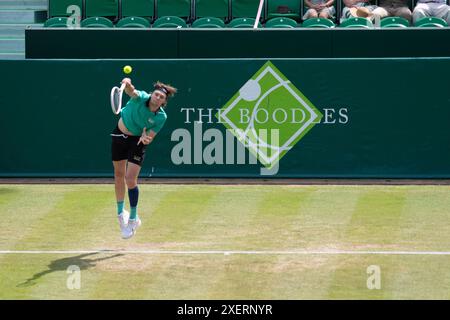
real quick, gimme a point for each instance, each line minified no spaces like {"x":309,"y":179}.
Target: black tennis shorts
{"x":124,"y":147}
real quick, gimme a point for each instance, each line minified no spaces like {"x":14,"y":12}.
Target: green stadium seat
{"x":211,"y":8}
{"x":394,"y":22}
{"x":430,"y":22}
{"x":284,"y":8}
{"x":102,"y":8}
{"x":58,"y":8}
{"x":169,"y":22}
{"x":56,"y":22}
{"x":245,"y":9}
{"x":96,"y":22}
{"x":177,"y":8}
{"x":318,"y":23}
{"x":138,"y":8}
{"x":281,"y":23}
{"x":133,"y":22}
{"x":357,"y":23}
{"x":243,"y":23}
{"x":209,"y":22}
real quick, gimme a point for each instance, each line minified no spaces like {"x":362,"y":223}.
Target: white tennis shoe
{"x":130,"y":229}
{"x":123,"y":221}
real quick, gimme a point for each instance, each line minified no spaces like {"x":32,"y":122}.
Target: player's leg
{"x":120,"y":168}
{"x":133,"y":189}
{"x":135,"y":159}
{"x":134,"y":221}
{"x":119,"y":155}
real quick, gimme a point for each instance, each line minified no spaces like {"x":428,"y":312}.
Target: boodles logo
{"x":269,"y":115}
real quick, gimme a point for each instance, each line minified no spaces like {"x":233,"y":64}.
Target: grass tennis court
{"x":227,"y":242}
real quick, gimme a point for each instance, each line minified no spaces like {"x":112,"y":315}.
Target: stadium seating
{"x":133,"y":22}
{"x":174,"y":8}
{"x":318,"y":23}
{"x":283,"y":8}
{"x":138,"y":8}
{"x":357,"y":23}
{"x":56,"y":22}
{"x":212,"y":8}
{"x":208,"y":22}
{"x":169,"y":22}
{"x":102,"y":8}
{"x":338,"y":6}
{"x":58,"y":8}
{"x":243,"y":23}
{"x":394,"y":22}
{"x":281,"y":23}
{"x":96,"y":22}
{"x":431,"y":22}
{"x":245,"y":9}
{"x":207,"y":13}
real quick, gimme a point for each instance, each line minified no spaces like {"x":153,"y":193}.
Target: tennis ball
{"x":127,"y":69}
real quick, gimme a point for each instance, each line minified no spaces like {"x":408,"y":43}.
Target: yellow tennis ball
{"x":127,"y":69}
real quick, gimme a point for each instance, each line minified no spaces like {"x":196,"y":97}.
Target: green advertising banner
{"x":323,"y":118}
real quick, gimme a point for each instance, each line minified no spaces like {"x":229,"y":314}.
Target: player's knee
{"x":119,"y":174}
{"x":131,"y":182}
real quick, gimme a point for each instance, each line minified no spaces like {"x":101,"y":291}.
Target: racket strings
{"x":116,"y":100}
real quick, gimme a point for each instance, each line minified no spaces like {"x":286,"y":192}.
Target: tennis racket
{"x":116,"y":98}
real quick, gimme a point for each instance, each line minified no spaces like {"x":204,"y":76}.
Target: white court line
{"x":226,"y":252}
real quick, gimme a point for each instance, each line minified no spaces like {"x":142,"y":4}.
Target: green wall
{"x":236,"y":43}
{"x":391,"y":116}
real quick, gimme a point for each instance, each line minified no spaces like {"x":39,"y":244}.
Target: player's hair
{"x":166,"y":88}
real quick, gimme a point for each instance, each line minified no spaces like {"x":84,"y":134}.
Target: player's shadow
{"x":81,"y":261}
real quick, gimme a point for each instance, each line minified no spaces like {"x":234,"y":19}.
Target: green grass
{"x":210,"y":217}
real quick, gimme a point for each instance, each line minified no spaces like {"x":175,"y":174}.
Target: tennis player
{"x":141,"y":119}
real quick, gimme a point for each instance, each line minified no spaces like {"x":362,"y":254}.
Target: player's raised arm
{"x":129,"y":88}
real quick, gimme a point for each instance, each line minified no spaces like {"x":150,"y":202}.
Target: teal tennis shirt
{"x":136,"y":115}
